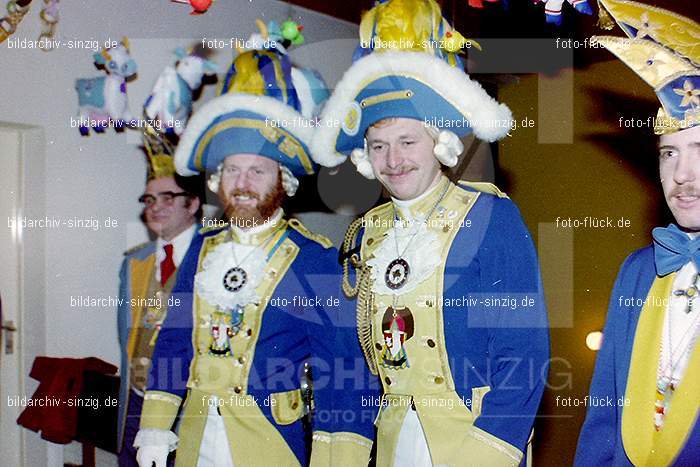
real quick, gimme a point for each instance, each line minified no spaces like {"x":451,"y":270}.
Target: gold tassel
{"x":604,"y":19}
{"x":363,"y":291}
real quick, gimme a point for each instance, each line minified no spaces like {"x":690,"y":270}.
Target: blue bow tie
{"x":673,"y":249}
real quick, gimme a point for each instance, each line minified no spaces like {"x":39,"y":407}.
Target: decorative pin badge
{"x":397,"y":327}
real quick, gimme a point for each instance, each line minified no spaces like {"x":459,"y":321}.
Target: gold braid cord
{"x":362,"y":290}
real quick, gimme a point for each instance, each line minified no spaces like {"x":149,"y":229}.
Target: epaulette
{"x":136,"y":248}
{"x":484,"y":187}
{"x":320,"y":239}
{"x":212,"y":228}
{"x":378,"y":209}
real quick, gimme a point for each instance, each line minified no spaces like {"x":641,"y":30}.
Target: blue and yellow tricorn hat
{"x":401,"y":78}
{"x":663,"y":48}
{"x":265,"y":108}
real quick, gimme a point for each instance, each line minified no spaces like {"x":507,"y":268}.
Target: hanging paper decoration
{"x":552,"y":9}
{"x":49,"y":20}
{"x":198,"y":6}
{"x":16,"y":9}
{"x":102,"y":100}
{"x":170,"y":101}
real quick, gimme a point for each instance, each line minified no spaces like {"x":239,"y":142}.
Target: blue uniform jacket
{"x":291,"y":333}
{"x":492,"y":262}
{"x":600,"y":442}
{"x":137,"y":255}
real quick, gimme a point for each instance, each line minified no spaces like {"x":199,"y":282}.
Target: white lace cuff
{"x":156,"y":437}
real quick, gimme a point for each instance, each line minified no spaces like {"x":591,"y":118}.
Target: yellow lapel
{"x":141,"y":273}
{"x":642,"y":443}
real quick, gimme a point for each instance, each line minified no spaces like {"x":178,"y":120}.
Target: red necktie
{"x":167,"y":266}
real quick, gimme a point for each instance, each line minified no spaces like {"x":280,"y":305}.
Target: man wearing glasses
{"x":170,"y":211}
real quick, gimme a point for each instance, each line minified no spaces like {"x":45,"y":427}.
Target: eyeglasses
{"x":165,"y":197}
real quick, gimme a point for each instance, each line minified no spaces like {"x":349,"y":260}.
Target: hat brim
{"x":410,"y":85}
{"x":242,"y":123}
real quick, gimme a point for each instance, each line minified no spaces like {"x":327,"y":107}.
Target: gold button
{"x":295,"y":405}
{"x":387,"y":380}
{"x":466,"y":200}
{"x":378,"y":346}
{"x":446,"y":228}
{"x":439,"y":380}
{"x":238,"y":389}
{"x":375,"y":218}
{"x":431,"y":343}
{"x":249,"y":332}
{"x":370,"y":241}
{"x":428,"y":303}
{"x":195,"y":381}
{"x":241,"y":360}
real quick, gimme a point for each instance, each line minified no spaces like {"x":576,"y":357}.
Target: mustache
{"x":250,"y":194}
{"x":399,"y":170}
{"x":680,"y":191}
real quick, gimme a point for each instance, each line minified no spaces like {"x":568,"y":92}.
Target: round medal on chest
{"x":235,"y":278}
{"x":397,"y":273}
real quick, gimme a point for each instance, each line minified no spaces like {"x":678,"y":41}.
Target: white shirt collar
{"x":404,"y":205}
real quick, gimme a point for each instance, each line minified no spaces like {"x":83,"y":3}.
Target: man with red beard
{"x":256,"y":300}
{"x":644,"y":397}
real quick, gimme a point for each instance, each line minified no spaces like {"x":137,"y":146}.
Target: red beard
{"x":253,"y":215}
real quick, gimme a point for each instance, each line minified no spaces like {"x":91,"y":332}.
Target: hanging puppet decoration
{"x":170,"y":101}
{"x":479,"y":3}
{"x":552,"y":9}
{"x":102,"y":100}
{"x":49,"y":20}
{"x":16,"y":9}
{"x":198,"y":6}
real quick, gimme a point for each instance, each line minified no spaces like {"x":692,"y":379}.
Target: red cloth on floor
{"x":53,"y":409}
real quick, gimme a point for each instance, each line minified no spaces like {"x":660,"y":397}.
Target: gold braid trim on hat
{"x":362,"y":290}
{"x":604,"y":19}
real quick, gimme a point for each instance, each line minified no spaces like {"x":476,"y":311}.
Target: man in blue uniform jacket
{"x":451,"y":314}
{"x":171,"y":209}
{"x":255,"y":299}
{"x":649,"y":363}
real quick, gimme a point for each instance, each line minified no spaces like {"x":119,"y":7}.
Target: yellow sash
{"x":141,"y":273}
{"x":643,"y":444}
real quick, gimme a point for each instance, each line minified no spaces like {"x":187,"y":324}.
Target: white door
{"x":23,"y":334}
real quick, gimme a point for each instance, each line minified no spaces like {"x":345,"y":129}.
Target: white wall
{"x":101,"y":176}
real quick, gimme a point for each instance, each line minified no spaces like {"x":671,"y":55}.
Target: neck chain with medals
{"x":237,"y":277}
{"x":398,"y":271}
{"x":666,"y":382}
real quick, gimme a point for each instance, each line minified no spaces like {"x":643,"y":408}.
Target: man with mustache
{"x":435,"y":265}
{"x":644,"y":393}
{"x":257,"y":299}
{"x":171,"y":210}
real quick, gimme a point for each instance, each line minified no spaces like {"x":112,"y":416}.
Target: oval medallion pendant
{"x":397,"y":273}
{"x":234,"y":279}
